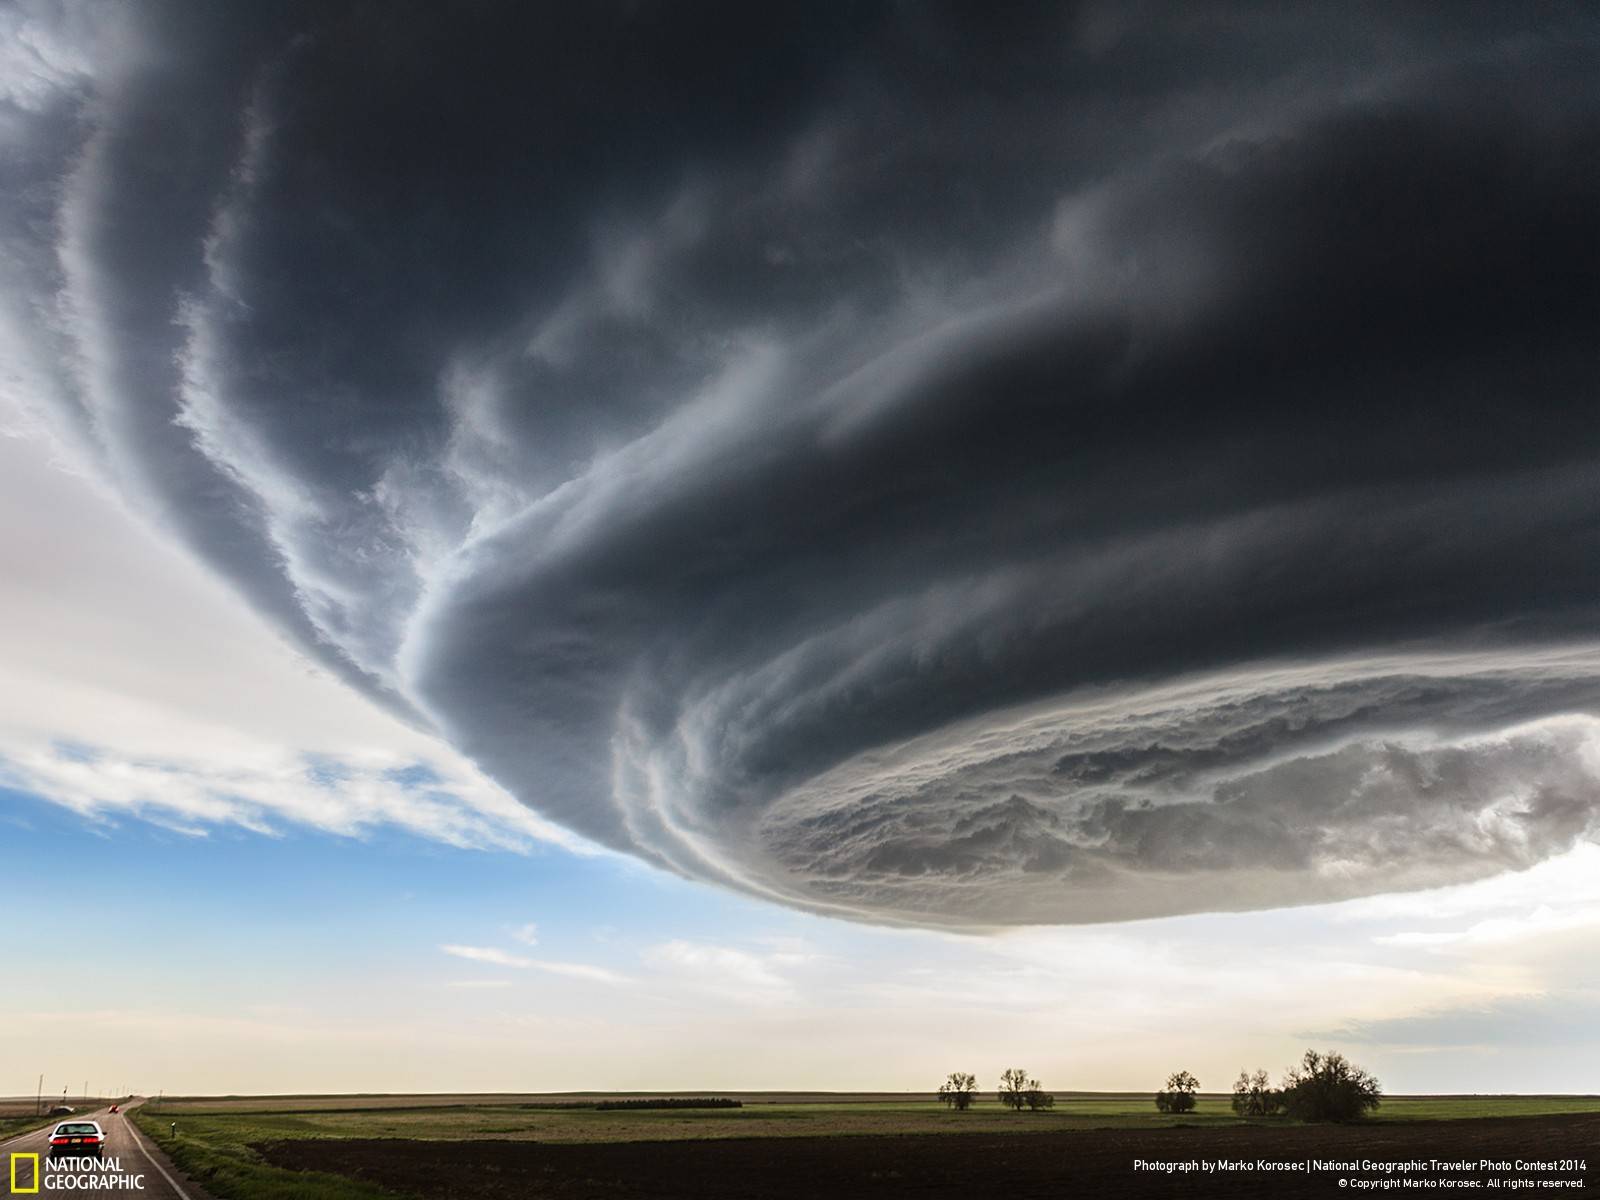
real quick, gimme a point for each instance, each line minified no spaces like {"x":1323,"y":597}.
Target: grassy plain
{"x":790,"y":1114}
{"x":374,"y":1101}
{"x":216,"y":1136}
{"x":223,"y":1162}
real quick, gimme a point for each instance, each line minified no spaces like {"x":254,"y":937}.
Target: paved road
{"x":124,"y":1144}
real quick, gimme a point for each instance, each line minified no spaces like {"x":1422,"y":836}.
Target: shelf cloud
{"x":1058,"y":466}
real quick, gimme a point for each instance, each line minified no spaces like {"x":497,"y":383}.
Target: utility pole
{"x":38,"y":1100}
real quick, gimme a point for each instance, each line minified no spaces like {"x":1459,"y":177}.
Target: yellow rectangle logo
{"x":24,"y":1191}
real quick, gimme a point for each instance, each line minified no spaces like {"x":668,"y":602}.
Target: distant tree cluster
{"x":1037,"y":1098}
{"x":1013,"y":1084}
{"x":1254,"y":1095}
{"x":668,"y":1102}
{"x":1017,"y":1091}
{"x":1328,"y":1087}
{"x":1324,"y":1087}
{"x":959,"y":1090}
{"x":1178,"y":1095}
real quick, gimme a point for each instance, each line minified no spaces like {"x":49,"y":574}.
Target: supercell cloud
{"x":918,"y":465}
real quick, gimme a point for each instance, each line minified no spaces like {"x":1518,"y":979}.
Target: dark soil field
{"x":1037,"y":1166}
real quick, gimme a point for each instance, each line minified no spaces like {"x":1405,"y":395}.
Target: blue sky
{"x":332,"y":902}
{"x":330,"y":950}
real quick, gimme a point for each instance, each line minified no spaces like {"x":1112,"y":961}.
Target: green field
{"x":214,"y":1136}
{"x":542,"y":1117}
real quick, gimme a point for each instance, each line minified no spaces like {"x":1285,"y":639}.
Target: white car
{"x":77,"y":1138}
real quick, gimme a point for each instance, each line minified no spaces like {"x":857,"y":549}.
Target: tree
{"x":1036,"y":1097}
{"x":1254,"y":1095}
{"x":957,"y":1091}
{"x":1014,"y":1088}
{"x":1329,"y":1087}
{"x":1179,"y":1094}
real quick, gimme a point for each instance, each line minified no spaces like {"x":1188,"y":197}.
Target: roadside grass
{"x":825,"y":1118}
{"x":18,"y":1117}
{"x":11,"y":1126}
{"x":221,"y":1161}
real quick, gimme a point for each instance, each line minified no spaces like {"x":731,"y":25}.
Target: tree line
{"x":1321,"y":1087}
{"x":1017,"y":1091}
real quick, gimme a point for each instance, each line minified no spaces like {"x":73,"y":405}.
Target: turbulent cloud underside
{"x":1050,"y":467}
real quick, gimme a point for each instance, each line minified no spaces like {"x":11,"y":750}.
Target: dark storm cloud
{"x":1059,"y":466}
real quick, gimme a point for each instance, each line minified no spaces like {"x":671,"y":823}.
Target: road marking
{"x":138,"y":1140}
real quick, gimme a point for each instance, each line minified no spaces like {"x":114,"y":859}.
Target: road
{"x":130,"y":1149}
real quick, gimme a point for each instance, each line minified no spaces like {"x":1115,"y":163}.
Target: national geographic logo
{"x":69,"y":1174}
